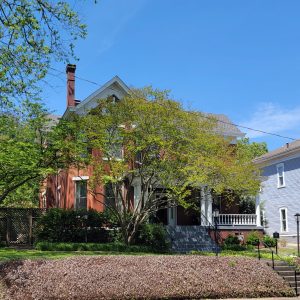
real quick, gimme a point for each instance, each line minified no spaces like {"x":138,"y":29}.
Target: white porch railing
{"x":236,"y":219}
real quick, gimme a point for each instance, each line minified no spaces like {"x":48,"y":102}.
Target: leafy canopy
{"x":32,"y":34}
{"x":31,"y":148}
{"x":149,"y":140}
{"x":253,"y":149}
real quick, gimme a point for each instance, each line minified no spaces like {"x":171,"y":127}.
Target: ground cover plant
{"x":141,"y":277}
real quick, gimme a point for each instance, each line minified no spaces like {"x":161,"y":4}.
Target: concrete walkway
{"x":278,"y":298}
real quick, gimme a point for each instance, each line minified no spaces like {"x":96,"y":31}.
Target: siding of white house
{"x":274,"y":198}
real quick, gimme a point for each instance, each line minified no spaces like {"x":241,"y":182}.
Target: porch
{"x":214,"y":210}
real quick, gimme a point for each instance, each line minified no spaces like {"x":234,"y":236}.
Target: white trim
{"x":78,"y":178}
{"x":96,"y":94}
{"x":279,"y":185}
{"x":280,"y":157}
{"x":286,"y":219}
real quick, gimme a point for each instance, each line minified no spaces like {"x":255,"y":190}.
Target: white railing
{"x":236,"y":219}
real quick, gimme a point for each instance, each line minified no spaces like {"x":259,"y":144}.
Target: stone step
{"x":278,"y":263}
{"x":188,"y":238}
{"x":286,"y":273}
{"x":290,"y":278}
{"x":292,"y":284}
{"x":284,"y":268}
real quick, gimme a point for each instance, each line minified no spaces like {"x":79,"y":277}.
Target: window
{"x":114,"y":144}
{"x":280,"y":176}
{"x":58,"y":196}
{"x":44,"y":200}
{"x":283,"y":220}
{"x":81,"y":194}
{"x":109,"y":195}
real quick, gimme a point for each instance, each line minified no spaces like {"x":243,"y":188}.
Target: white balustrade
{"x":236,"y":219}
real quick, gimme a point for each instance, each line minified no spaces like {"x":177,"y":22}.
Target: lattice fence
{"x":18,"y":225}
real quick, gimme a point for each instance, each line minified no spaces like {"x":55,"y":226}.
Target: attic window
{"x":114,"y":98}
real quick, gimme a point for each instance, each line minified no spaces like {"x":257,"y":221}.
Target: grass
{"x":12,"y":254}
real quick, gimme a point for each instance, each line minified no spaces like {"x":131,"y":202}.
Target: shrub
{"x":269,"y":241}
{"x":234,"y":247}
{"x":154,"y":236}
{"x":231,"y":240}
{"x":253,"y":238}
{"x":111,"y":247}
{"x":59,"y":225}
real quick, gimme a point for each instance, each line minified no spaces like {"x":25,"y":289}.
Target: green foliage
{"x":165,"y":146}
{"x":269,"y":241}
{"x":33,"y":34}
{"x":231,"y":240}
{"x":253,"y":149}
{"x":253,"y":238}
{"x":59,"y":225}
{"x":153,"y":236}
{"x":107,"y":247}
{"x":247,"y":205}
{"x":25,"y":196}
{"x":234,"y":247}
{"x":31,"y":148}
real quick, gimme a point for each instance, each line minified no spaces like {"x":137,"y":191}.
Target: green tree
{"x":254,"y":149}
{"x":148,"y":139}
{"x":33,"y":147}
{"x":33,"y":33}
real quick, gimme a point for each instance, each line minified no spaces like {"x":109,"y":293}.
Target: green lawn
{"x":9,"y":254}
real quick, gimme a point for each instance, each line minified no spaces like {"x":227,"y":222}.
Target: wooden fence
{"x":18,"y":225}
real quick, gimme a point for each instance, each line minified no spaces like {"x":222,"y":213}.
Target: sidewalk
{"x":279,"y":298}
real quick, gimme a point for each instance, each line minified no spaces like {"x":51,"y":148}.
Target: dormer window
{"x":280,"y":175}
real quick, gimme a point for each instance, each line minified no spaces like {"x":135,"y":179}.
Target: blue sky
{"x":240,"y":58}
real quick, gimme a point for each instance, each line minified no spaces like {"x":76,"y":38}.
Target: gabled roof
{"x":115,"y":80}
{"x":285,"y":151}
{"x":226,"y":127}
{"x":116,"y":84}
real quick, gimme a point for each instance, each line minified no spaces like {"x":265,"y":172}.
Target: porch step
{"x":185,"y":239}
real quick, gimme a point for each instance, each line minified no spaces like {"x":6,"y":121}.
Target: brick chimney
{"x":70,"y":70}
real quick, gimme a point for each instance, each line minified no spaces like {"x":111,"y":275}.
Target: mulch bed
{"x":141,"y":277}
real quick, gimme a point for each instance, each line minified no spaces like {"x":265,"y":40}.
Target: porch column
{"x":202,"y":206}
{"x":209,"y":206}
{"x":257,"y":211}
{"x":172,"y":218}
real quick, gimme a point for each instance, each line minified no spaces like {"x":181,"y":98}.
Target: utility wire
{"x":207,"y":117}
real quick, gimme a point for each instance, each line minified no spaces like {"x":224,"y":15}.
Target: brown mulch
{"x":141,"y":277}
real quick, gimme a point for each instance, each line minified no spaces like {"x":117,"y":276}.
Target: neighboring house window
{"x":81,"y":194}
{"x":280,"y":175}
{"x":283,"y":220}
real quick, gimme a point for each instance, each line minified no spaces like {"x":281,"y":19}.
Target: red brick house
{"x":68,"y":188}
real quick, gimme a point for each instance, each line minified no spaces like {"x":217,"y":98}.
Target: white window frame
{"x":76,"y":179}
{"x":58,"y":196}
{"x":44,"y":199}
{"x":279,"y":185}
{"x":286,"y":219}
